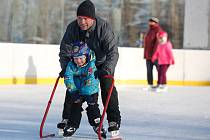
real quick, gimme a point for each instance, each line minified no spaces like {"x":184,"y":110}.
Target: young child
{"x":165,"y":58}
{"x":82,"y":86}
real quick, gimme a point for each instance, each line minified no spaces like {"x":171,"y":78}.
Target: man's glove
{"x":61,"y":74}
{"x":100,"y":73}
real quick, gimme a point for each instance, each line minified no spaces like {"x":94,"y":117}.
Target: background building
{"x":45,"y":21}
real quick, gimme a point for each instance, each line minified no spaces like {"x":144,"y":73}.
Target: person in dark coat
{"x":101,"y":39}
{"x":150,"y":45}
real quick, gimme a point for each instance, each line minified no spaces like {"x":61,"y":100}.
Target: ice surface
{"x":182,"y":113}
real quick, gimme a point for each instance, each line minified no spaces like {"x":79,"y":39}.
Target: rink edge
{"x":6,"y":81}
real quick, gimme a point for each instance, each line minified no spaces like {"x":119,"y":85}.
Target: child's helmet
{"x":79,"y":49}
{"x":162,"y":34}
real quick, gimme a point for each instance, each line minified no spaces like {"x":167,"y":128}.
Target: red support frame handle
{"x":106,"y":105}
{"x":46,"y":112}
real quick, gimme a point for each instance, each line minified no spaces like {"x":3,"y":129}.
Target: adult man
{"x":100,"y":38}
{"x":150,"y":45}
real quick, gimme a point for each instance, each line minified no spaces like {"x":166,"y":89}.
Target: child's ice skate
{"x":161,"y":88}
{"x":61,"y":125}
{"x":103,"y":131}
{"x":69,"y":131}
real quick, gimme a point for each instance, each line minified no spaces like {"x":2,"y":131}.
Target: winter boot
{"x":69,"y":131}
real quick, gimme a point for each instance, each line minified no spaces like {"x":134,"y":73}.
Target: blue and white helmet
{"x":80,"y":49}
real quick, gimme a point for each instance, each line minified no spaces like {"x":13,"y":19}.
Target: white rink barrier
{"x":39,"y":64}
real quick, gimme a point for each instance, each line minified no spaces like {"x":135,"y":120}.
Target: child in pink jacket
{"x":165,"y":58}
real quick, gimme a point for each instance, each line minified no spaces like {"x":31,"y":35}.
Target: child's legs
{"x":93,"y":111}
{"x":162,"y":74}
{"x":67,"y":105}
{"x":75,"y":114}
{"x":159,"y":74}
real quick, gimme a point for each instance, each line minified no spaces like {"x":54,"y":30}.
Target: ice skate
{"x":149,"y":88}
{"x":103,"y":131}
{"x":115,"y":135}
{"x":61,"y":126}
{"x":69,"y":131}
{"x":161,"y":88}
{"x":114,"y":131}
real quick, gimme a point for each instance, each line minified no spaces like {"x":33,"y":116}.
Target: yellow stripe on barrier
{"x":7,"y":81}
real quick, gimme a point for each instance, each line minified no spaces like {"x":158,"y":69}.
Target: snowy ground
{"x":183,"y":113}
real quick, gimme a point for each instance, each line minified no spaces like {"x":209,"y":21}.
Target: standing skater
{"x":165,"y":58}
{"x":99,"y":36}
{"x":150,"y":45}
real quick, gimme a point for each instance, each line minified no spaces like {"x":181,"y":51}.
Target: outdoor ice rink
{"x":182,"y":113}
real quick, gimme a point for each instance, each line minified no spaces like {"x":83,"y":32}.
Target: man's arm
{"x":109,"y":45}
{"x":65,"y":50}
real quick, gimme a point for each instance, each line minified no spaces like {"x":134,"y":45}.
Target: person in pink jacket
{"x":165,"y":58}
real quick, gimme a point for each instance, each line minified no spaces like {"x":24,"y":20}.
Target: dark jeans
{"x":150,"y":65}
{"x":113,"y":112}
{"x":162,"y":69}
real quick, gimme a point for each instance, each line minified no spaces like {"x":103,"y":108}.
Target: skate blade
{"x":60,"y":132}
{"x":116,"y":138}
{"x":115,"y":135}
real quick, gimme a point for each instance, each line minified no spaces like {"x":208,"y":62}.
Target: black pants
{"x":74,"y":114}
{"x":113,"y":112}
{"x":150,"y":65}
